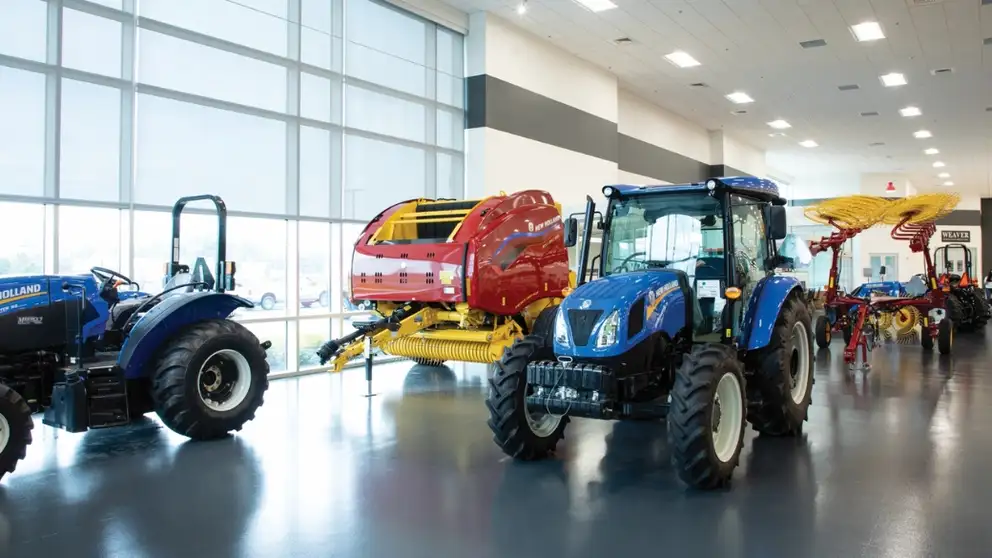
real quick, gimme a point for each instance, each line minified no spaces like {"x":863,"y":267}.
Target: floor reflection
{"x":892,"y":463}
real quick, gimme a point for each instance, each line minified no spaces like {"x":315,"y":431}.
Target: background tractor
{"x":455,"y":280}
{"x":966,"y":302}
{"x":688,"y":321}
{"x":92,"y":351}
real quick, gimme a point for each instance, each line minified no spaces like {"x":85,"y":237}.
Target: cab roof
{"x":758,"y":188}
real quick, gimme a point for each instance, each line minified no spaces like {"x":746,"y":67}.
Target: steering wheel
{"x":107,"y":275}
{"x":622,"y":268}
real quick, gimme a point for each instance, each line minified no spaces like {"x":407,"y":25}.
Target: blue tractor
{"x":93,"y":351}
{"x":687,"y":321}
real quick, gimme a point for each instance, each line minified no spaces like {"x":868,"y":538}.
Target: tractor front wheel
{"x":706,"y":418}
{"x":945,"y":336}
{"x":15,"y":429}
{"x":521,"y":433}
{"x":823,"y":332}
{"x":781,"y":386}
{"x":210,"y":379}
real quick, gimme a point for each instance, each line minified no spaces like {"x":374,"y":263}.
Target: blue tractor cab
{"x":687,"y":321}
{"x":94,"y":351}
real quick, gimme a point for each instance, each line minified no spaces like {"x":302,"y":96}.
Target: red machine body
{"x":498,"y":254}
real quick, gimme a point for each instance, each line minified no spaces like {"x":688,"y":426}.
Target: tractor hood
{"x":635,"y":305}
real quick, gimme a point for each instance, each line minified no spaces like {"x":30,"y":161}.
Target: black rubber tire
{"x":506,"y":400}
{"x":956,"y":312}
{"x":926,"y":340}
{"x":428,"y":361}
{"x":544,"y":327}
{"x":15,"y":410}
{"x":945,"y":336}
{"x":175,"y":389}
{"x":824,"y":331}
{"x":690,"y":434}
{"x":846,"y":330}
{"x":770,"y":407}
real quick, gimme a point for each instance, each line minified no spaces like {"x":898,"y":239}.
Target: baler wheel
{"x":823,"y":332}
{"x":15,"y":429}
{"x":210,"y":379}
{"x":945,"y":336}
{"x":520,"y":433}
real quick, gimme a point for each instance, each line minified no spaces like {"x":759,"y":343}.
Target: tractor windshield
{"x":681,"y":231}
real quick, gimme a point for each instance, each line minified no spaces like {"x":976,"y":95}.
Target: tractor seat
{"x":122,"y":312}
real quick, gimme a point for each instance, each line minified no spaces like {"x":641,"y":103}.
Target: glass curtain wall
{"x":307,"y":116}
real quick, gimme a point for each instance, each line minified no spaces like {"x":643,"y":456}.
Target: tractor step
{"x":106,"y":392}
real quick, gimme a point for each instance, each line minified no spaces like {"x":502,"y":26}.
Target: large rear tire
{"x":945,"y":336}
{"x":15,"y":429}
{"x":824,"y":331}
{"x":210,"y":379}
{"x":780,"y":389}
{"x":706,"y":418}
{"x":520,"y":433}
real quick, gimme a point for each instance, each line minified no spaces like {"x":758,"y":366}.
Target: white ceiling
{"x":752,"y":46}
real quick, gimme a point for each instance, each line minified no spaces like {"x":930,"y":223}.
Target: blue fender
{"x":763,"y":310}
{"x":165,"y":319}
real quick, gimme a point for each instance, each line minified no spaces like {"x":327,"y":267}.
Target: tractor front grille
{"x":581,"y":323}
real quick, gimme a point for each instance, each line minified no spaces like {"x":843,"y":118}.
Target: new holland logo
{"x":19,"y":292}
{"x":656,"y":296}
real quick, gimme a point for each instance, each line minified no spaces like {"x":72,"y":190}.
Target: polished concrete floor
{"x":894,"y":462}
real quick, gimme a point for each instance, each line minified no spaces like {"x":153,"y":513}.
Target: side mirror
{"x":777,"y":228}
{"x":571,"y":232}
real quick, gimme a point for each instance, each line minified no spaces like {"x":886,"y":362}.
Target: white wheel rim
{"x":541,"y":424}
{"x":224,"y":380}
{"x":727,"y":417}
{"x":799,"y":362}
{"x":4,"y":433}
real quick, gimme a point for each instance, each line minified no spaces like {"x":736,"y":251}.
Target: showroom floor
{"x":893,"y":464}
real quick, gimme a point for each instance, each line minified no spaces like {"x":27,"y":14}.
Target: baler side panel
{"x":520,"y":256}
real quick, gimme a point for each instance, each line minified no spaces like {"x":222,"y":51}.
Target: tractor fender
{"x":763,"y":309}
{"x":168,"y":317}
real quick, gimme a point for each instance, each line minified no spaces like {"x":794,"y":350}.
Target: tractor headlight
{"x":561,"y":328}
{"x":608,"y":332}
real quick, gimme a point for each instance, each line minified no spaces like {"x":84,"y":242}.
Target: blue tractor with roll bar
{"x":93,"y":351}
{"x":687,"y":321}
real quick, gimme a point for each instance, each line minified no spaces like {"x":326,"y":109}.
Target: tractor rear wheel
{"x":706,"y":418}
{"x":823,"y":332}
{"x":945,"y":336}
{"x":780,"y":388}
{"x":957,"y":312}
{"x":521,"y":433}
{"x":210,"y":379}
{"x":15,"y":429}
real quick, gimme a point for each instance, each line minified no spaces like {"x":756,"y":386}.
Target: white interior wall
{"x":652,"y":124}
{"x":744,"y":157}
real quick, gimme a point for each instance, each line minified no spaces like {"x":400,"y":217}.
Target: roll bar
{"x":225,"y":269}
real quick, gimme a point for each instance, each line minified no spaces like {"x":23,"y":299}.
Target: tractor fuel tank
{"x":497,"y":254}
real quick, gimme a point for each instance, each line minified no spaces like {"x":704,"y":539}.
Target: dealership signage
{"x":955,"y":236}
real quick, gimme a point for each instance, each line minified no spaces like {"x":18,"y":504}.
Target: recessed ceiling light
{"x":922,"y":134}
{"x":597,"y":5}
{"x":739,"y":97}
{"x":522,"y":8}
{"x":931,"y":151}
{"x":948,"y":183}
{"x":893,"y":80}
{"x":679,"y":58}
{"x":867,"y":31}
{"x":944,"y":175}
{"x":938,"y":164}
{"x":779,"y":124}
{"x":808,"y":143}
{"x":910,"y":111}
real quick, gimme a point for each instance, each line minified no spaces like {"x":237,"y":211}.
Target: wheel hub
{"x":799,"y":363}
{"x":224,"y":380}
{"x":727,"y":417}
{"x":4,"y":433}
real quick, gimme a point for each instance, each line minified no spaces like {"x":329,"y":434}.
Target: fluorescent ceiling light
{"x":893,"y":79}
{"x":931,"y":151}
{"x":922,"y":134}
{"x":679,"y":58}
{"x":808,"y":143}
{"x":739,"y":97}
{"x":944,"y":175}
{"x":910,"y":111}
{"x":779,"y":124}
{"x":522,"y":8}
{"x":948,"y":183}
{"x":597,"y":5}
{"x":938,"y":164}
{"x":867,"y":31}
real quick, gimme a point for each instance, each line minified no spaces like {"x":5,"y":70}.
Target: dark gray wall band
{"x":727,"y":170}
{"x":500,"y":105}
